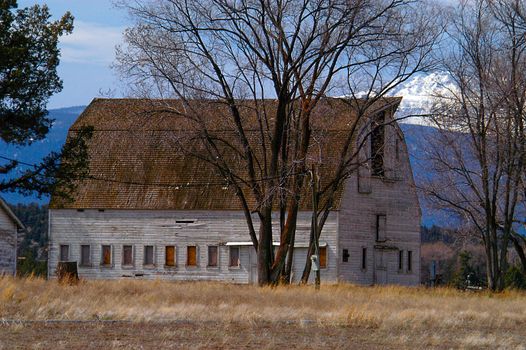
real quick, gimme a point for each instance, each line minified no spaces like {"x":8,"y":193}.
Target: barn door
{"x":253,"y":266}
{"x":380,"y":266}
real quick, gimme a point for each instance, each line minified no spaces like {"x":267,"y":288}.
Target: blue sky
{"x":87,"y":53}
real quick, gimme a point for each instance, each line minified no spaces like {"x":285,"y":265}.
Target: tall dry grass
{"x":38,"y":299}
{"x":478,"y":318}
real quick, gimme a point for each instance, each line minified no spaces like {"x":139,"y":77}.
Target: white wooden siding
{"x":7,"y":244}
{"x":395,"y":196}
{"x":159,"y":228}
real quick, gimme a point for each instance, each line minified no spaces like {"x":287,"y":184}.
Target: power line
{"x":180,"y":185}
{"x":18,"y":161}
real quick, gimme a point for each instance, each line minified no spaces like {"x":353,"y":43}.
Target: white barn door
{"x":380,"y":266}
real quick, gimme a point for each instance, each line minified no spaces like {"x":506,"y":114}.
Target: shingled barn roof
{"x":136,"y":162}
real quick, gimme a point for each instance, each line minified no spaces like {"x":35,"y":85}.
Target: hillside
{"x":63,"y":119}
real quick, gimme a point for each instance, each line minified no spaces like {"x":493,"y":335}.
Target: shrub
{"x":29,"y":265}
{"x":467,"y":274}
{"x":514,"y":278}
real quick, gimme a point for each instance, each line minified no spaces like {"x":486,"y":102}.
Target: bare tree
{"x":237,"y":55}
{"x":511,"y":15}
{"x":479,"y":154}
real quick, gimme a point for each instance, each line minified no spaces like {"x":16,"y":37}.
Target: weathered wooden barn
{"x":10,"y":226}
{"x":128,"y":219}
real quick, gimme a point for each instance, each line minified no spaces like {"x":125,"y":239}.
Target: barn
{"x":140,"y":214}
{"x":10,"y":226}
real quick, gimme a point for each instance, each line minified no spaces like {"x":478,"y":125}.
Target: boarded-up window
{"x":409,"y":260}
{"x":378,"y":145}
{"x":85,"y":255}
{"x":148,"y":255}
{"x":64,"y":252}
{"x":191,"y":255}
{"x":400,"y":260}
{"x":364,"y":258}
{"x":323,"y":257}
{"x":212,"y":255}
{"x":127,"y":255}
{"x":380,"y":228}
{"x":345,"y":255}
{"x":234,"y":256}
{"x":106,"y":255}
{"x":170,"y":256}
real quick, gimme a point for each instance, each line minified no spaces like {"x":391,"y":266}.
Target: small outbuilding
{"x":10,"y":226}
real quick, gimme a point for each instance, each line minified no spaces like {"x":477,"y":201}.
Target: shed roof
{"x":136,"y":161}
{"x":12,"y":215}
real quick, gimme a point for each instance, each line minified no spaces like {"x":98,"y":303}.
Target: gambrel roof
{"x":136,"y":160}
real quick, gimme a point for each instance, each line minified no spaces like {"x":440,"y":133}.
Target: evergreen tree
{"x":29,"y":57}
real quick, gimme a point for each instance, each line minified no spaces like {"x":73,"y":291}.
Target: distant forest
{"x":32,"y":250}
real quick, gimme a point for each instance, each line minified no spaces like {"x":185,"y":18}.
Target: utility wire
{"x":18,"y":161}
{"x":169,"y":185}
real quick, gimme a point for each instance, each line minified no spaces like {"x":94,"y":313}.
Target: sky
{"x":87,"y":53}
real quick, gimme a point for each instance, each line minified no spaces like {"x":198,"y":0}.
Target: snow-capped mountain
{"x":419,"y":94}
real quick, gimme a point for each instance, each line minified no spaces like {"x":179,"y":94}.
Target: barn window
{"x":106,"y":255}
{"x":191,"y":255}
{"x":409,"y":261}
{"x":323,"y":257}
{"x":64,"y":252}
{"x":377,"y":145}
{"x":400,"y":260}
{"x":212,"y":256}
{"x":234,"y":256}
{"x":169,"y":256}
{"x":149,"y":256}
{"x":380,"y":228}
{"x":364,"y":258}
{"x":127,"y":255}
{"x":85,"y":255}
{"x":345,"y":255}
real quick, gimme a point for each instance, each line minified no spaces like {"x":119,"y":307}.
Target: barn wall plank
{"x":7,"y":244}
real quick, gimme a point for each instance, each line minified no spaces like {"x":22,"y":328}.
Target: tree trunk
{"x":520,"y":252}
{"x":308,"y":263}
{"x":287,"y":274}
{"x":264,"y":252}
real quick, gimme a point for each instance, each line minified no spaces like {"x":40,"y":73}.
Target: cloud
{"x":91,"y":43}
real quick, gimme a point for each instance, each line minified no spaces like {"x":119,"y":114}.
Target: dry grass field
{"x":125,"y":314}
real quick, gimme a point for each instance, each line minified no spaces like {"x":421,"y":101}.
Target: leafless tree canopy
{"x":479,"y":156}
{"x":240,"y":53}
